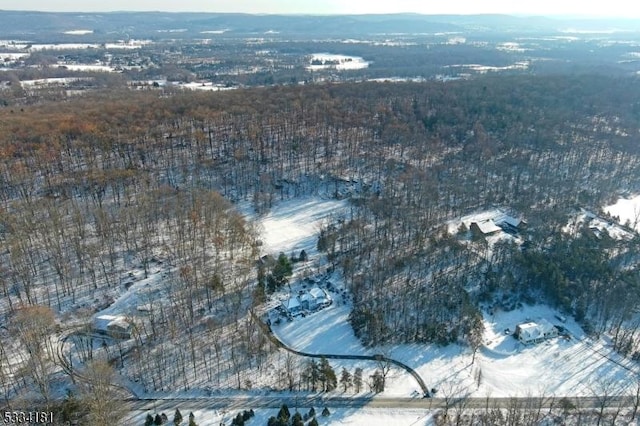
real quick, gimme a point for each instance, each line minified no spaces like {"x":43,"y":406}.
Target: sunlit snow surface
{"x":627,"y":210}
{"x":295,"y":224}
{"x":337,"y":62}
{"x":577,"y":366}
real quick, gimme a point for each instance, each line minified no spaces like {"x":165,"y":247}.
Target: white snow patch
{"x":87,"y":67}
{"x":206,"y":86}
{"x":54,"y":81}
{"x":12,"y":57}
{"x":482,"y":69}
{"x":511,"y":47}
{"x":78,"y":32}
{"x":295,"y":224}
{"x":324,"y":61}
{"x":63,"y":46}
{"x":130,"y":44}
{"x":325,"y":332}
{"x":626,"y":210}
{"x":214,"y":31}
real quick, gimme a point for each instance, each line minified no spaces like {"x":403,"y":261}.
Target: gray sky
{"x":620,"y":8}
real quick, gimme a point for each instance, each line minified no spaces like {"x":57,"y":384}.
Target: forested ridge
{"x":93,"y":186}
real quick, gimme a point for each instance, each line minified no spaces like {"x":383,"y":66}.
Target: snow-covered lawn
{"x":325,"y":332}
{"x":503,"y":367}
{"x":295,"y":224}
{"x":559,"y":366}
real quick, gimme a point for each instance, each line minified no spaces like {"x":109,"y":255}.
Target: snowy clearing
{"x":627,"y":210}
{"x":295,"y":224}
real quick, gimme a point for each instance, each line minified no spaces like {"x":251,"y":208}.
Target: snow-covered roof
{"x":487,"y":227}
{"x":317,"y":293}
{"x":534,"y":330}
{"x":104,"y":322}
{"x":307,"y":297}
{"x":291,"y":303}
{"x":508,"y":220}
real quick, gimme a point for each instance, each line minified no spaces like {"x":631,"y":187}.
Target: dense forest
{"x":94,"y":186}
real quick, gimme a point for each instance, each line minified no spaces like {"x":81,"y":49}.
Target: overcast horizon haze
{"x":590,"y":9}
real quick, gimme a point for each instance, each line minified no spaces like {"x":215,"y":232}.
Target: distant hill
{"x":41,"y":26}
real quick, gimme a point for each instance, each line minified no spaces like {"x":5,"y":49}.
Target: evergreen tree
{"x":326,"y":412}
{"x":312,"y":412}
{"x":284,"y":414}
{"x":357,"y":379}
{"x":177,"y":417}
{"x":313,"y":422}
{"x":157,"y":420}
{"x":282,"y":270}
{"x":296,"y":420}
{"x":246,"y":415}
{"x":238,"y":420}
{"x":148,"y":420}
{"x":272,"y":421}
{"x":312,"y":374}
{"x":345,"y":379}
{"x":303,"y":256}
{"x":327,"y":375}
{"x":192,"y":420}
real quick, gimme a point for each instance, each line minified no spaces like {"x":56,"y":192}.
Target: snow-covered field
{"x":206,"y":86}
{"x":88,"y":67}
{"x":295,"y":224}
{"x":337,"y":62}
{"x":78,"y":32}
